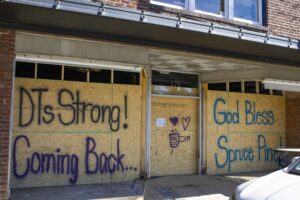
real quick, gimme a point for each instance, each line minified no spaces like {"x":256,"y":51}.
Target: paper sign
{"x":160,"y":122}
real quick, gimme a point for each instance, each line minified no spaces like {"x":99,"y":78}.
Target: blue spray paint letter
{"x":227,"y":117}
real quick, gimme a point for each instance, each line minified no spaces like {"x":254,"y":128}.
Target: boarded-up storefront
{"x":68,"y":132}
{"x":88,"y":125}
{"x":243,"y":130}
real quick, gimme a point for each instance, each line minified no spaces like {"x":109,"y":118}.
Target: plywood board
{"x":174,"y":145}
{"x":94,"y":128}
{"x":242,"y":131}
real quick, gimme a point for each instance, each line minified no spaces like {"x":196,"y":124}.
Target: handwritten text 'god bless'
{"x":252,"y":115}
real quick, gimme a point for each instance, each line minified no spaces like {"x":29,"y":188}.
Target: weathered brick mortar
{"x":284,"y":18}
{"x":7,"y":51}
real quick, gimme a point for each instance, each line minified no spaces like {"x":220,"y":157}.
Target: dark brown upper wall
{"x":283,"y":16}
{"x":292,"y":119}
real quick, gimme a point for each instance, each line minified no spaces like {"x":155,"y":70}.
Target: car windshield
{"x":294,"y":168}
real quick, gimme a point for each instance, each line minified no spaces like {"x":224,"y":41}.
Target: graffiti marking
{"x":185,"y":122}
{"x":175,"y":139}
{"x":80,"y":112}
{"x":174,"y":120}
{"x":59,"y":163}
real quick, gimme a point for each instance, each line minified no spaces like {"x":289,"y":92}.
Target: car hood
{"x":275,"y":186}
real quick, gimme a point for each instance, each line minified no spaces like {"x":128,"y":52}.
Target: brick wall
{"x":283,"y":16}
{"x":293,"y":119}
{"x":7,"y":48}
{"x":137,"y":4}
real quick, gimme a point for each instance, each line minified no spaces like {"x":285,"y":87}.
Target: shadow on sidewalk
{"x":219,"y":187}
{"x":124,"y":190}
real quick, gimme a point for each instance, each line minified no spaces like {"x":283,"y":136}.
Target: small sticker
{"x":160,"y":122}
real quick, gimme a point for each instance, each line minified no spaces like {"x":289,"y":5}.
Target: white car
{"x":283,"y":184}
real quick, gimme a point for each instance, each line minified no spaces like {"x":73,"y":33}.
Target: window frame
{"x":225,"y":15}
{"x":89,"y":65}
{"x":158,"y":3}
{"x":190,"y":5}
{"x":259,"y":10}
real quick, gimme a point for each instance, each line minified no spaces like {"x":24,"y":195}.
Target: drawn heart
{"x":173,"y":120}
{"x":185,"y":122}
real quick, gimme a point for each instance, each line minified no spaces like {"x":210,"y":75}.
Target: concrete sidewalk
{"x":200,"y":187}
{"x":125,"y":190}
{"x":196,"y":187}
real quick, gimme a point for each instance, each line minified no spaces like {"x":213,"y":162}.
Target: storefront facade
{"x":84,"y":121}
{"x":86,"y":110}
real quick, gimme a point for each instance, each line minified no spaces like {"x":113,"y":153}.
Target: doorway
{"x":174,"y":123}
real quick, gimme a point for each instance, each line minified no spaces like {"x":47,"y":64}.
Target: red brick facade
{"x":7,"y":49}
{"x":284,"y":18}
{"x":137,"y":4}
{"x":293,"y":119}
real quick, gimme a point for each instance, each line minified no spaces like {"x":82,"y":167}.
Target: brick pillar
{"x":293,"y":119}
{"x":7,"y":52}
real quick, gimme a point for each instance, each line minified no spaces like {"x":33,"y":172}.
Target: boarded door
{"x":174,"y":136}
